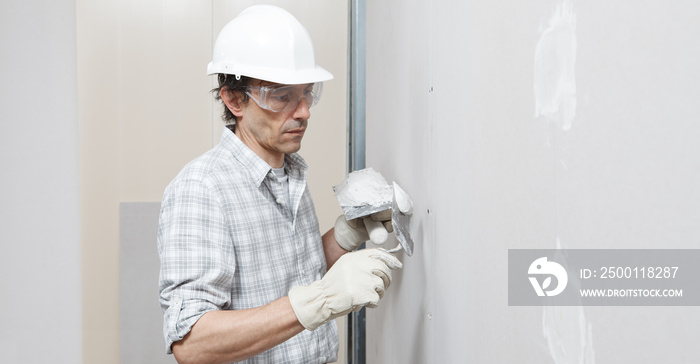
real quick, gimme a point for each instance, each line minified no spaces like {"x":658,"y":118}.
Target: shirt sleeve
{"x":196,"y":256}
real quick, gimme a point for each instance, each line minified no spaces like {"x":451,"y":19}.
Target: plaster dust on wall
{"x":569,"y":335}
{"x":566,"y":329}
{"x":555,"y":61}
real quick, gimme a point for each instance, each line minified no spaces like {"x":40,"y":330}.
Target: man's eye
{"x":280,"y":96}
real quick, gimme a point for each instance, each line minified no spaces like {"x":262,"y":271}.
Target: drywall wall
{"x":532,"y":124}
{"x":40,"y":283}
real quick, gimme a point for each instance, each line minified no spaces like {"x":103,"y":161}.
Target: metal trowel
{"x":366,"y":192}
{"x":363,"y":193}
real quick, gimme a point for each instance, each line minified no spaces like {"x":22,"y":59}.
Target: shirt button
{"x":279,"y":201}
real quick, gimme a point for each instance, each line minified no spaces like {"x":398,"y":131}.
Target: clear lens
{"x":285,"y":98}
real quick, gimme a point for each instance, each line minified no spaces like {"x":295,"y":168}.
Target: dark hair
{"x":230,"y":83}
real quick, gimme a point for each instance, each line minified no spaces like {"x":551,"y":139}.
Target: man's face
{"x":271,"y":134}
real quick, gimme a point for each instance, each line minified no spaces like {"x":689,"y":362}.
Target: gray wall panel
{"x":141,"y":319}
{"x":532,"y":125}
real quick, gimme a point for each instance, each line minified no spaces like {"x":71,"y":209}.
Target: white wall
{"x":598,"y":151}
{"x":40,"y":283}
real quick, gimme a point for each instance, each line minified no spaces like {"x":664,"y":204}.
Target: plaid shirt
{"x":227,"y":241}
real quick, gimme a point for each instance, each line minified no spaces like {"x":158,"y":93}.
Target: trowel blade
{"x":402,"y":225}
{"x":354,"y":212}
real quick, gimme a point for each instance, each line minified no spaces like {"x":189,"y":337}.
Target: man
{"x":245,"y":273}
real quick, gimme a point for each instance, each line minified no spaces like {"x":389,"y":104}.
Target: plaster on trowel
{"x":366,"y":192}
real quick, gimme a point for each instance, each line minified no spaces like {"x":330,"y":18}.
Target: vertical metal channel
{"x":357,"y":86}
{"x":356,"y":152}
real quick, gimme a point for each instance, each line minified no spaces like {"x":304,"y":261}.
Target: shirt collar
{"x":258,"y":168}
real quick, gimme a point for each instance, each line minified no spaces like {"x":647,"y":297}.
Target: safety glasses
{"x":278,"y":98}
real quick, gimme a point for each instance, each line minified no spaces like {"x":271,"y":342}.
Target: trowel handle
{"x":375,"y":229}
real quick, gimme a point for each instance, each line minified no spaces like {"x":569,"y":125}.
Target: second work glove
{"x":356,"y":280}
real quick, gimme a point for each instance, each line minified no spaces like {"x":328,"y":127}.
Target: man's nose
{"x":302,"y":111}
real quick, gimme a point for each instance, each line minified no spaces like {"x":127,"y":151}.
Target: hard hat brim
{"x":309,"y":75}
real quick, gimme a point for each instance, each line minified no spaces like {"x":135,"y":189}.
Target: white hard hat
{"x":267,"y":43}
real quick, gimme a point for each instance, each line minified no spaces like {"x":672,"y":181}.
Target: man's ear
{"x":233,"y":101}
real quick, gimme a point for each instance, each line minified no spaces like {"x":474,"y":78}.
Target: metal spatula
{"x":363,"y":193}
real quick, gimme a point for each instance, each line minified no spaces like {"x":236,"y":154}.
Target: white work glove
{"x":351,"y":234}
{"x":356,"y":280}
